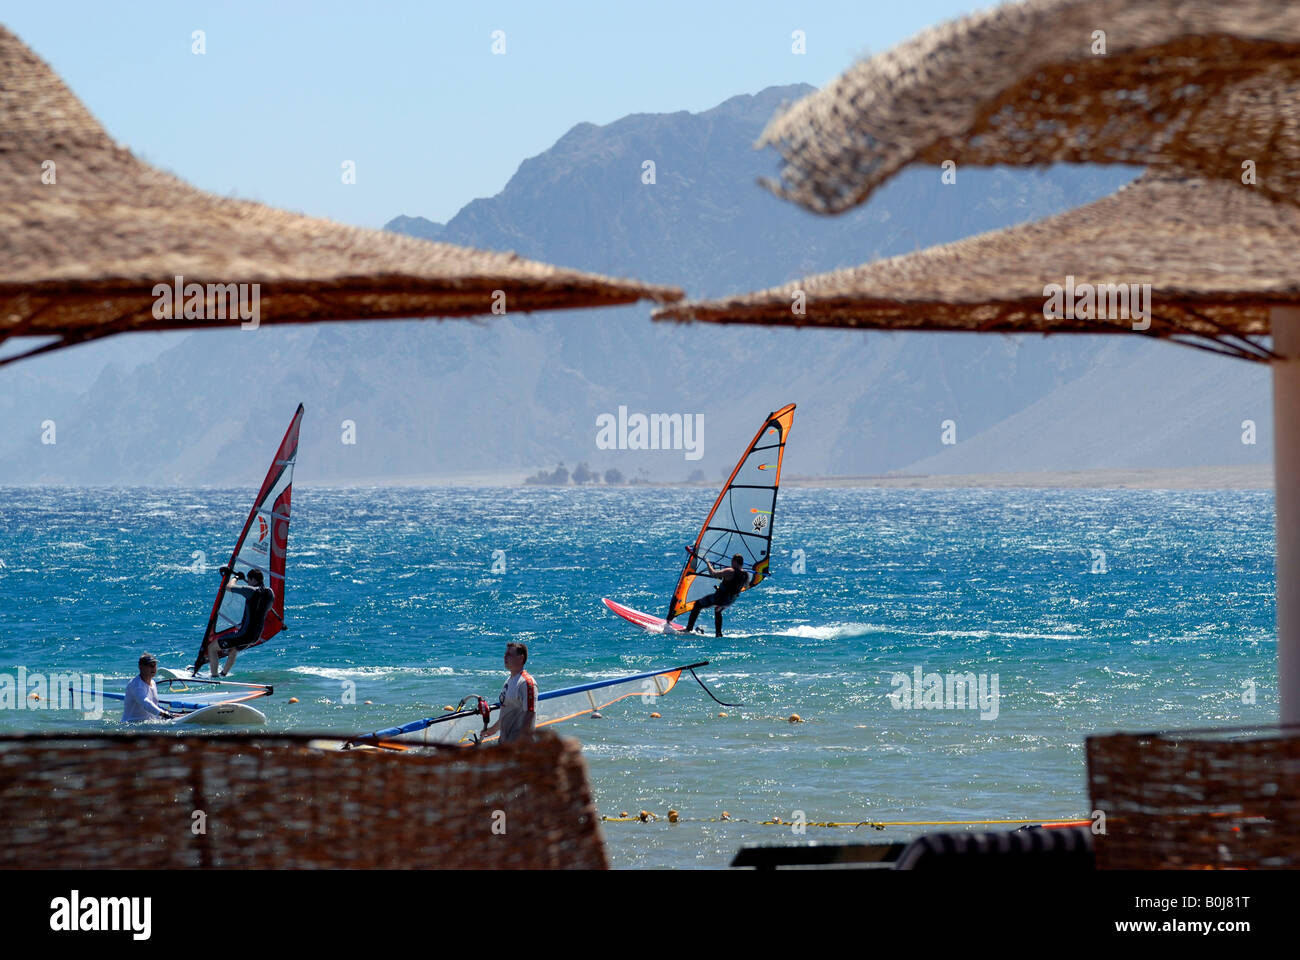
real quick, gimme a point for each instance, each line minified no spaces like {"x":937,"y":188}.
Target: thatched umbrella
{"x":1209,"y":249}
{"x":1200,"y":85}
{"x":1224,"y":268}
{"x":92,"y":242}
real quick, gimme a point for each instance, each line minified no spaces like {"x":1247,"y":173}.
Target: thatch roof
{"x":80,"y":256}
{"x":1200,"y":85}
{"x":1217,"y":257}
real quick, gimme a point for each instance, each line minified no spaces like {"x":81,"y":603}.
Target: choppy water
{"x":393,"y":589}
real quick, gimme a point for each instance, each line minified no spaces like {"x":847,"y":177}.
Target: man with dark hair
{"x":141,"y":701}
{"x":257,"y":604}
{"x":734,"y":579}
{"x":518,"y":716}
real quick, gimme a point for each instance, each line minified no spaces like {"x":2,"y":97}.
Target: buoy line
{"x":646,"y":816}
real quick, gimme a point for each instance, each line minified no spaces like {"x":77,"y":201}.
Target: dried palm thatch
{"x":87,"y":231}
{"x":1197,"y":799}
{"x":82,"y":801}
{"x":1198,"y":84}
{"x":1217,"y":257}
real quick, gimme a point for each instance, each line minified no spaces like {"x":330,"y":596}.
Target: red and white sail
{"x":262,"y":545}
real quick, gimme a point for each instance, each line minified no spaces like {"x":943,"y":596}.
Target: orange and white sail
{"x":741,"y":519}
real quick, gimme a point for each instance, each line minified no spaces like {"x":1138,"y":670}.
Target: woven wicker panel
{"x":1221,"y":799}
{"x":274,"y":802}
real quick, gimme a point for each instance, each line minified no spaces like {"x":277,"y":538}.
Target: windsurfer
{"x":518,"y":716}
{"x":141,"y":702}
{"x":734,"y":579}
{"x":257,"y":603}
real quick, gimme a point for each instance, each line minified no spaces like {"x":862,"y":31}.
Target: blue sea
{"x":1094,"y":610}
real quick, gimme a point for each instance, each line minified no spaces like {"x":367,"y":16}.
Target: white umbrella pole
{"x":1286,"y":465}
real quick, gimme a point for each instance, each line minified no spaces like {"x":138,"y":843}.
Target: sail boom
{"x":196,"y":699}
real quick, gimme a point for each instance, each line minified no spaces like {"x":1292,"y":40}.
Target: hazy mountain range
{"x":505,"y":396}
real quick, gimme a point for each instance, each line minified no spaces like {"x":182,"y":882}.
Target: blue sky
{"x":412,"y":92}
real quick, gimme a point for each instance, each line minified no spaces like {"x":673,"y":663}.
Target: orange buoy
{"x":795,"y":718}
{"x":672,"y":816}
{"x":293,"y":699}
{"x":655,"y":716}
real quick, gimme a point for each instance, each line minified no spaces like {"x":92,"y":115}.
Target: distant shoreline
{"x":1258,"y":477}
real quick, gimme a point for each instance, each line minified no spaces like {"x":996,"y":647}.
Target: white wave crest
{"x":345,"y":673}
{"x":834,"y":631}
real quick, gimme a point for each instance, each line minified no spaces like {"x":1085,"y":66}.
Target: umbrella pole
{"x":1285,"y":322}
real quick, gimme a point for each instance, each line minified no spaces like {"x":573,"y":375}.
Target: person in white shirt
{"x":518,"y":716}
{"x":142,"y":695}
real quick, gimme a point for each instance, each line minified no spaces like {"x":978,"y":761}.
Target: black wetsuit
{"x":733,"y":581}
{"x":257,"y":604}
